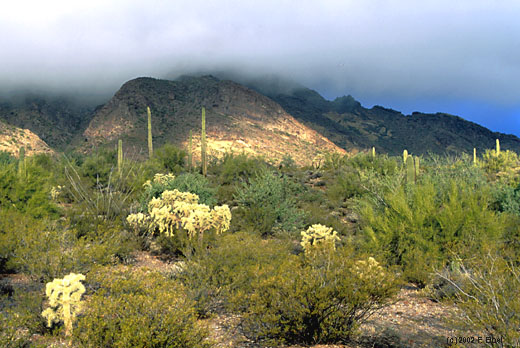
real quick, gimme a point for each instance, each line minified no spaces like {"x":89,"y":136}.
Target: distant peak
{"x":347,"y":103}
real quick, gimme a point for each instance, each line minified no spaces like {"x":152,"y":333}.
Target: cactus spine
{"x":21,"y":162}
{"x":474,"y":156}
{"x":119,"y":155}
{"x":150,"y":142}
{"x":203,"y":143}
{"x":498,"y":147}
{"x":190,"y":149}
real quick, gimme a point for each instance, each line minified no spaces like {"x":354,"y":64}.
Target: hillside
{"x":237,"y":119}
{"x":349,"y":125}
{"x":55,"y":120}
{"x":13,"y":138}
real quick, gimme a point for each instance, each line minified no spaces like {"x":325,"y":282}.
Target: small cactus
{"x":119,"y":155}
{"x":64,"y":300}
{"x":150,"y":141}
{"x":21,"y":162}
{"x":203,"y":144}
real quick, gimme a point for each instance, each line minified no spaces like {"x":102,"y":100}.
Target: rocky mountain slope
{"x":55,"y":120}
{"x":349,"y":125}
{"x":13,"y":138}
{"x":238,"y":119}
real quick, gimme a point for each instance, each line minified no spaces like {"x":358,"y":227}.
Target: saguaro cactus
{"x":21,"y":162}
{"x":498,"y":147}
{"x":203,"y":144}
{"x":119,"y":155}
{"x":373,"y":151}
{"x":405,"y":156}
{"x":150,"y":142}
{"x":474,"y":156}
{"x":64,"y":300}
{"x":190,"y":150}
{"x":416,"y":166}
{"x":410,"y":170}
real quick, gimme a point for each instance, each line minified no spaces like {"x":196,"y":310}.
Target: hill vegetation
{"x":297,"y":255}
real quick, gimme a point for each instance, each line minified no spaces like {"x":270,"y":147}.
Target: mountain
{"x":13,"y":138}
{"x":351,"y":126}
{"x":55,"y":120}
{"x":237,"y":119}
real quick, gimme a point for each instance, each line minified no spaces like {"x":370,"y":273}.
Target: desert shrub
{"x":28,"y":193}
{"x":506,"y":198}
{"x":137,"y":308}
{"x":236,"y":168}
{"x":98,"y":166}
{"x":227,"y":268}
{"x":322,"y":298}
{"x":6,"y":158}
{"x":45,"y":250}
{"x":504,"y":167}
{"x":486,"y":290}
{"x":20,"y":317}
{"x":186,"y":182}
{"x":268,"y":205}
{"x":170,"y":158}
{"x":420,"y":226}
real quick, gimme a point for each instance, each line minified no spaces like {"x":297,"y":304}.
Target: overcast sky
{"x":460,"y":57}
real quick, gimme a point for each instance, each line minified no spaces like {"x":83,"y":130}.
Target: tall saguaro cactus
{"x":150,"y":142}
{"x":21,"y":162}
{"x":405,"y":156}
{"x":498,"y":147}
{"x":373,"y":151}
{"x":190,"y":152}
{"x":119,"y":155}
{"x":203,"y":144}
{"x":474,"y":156}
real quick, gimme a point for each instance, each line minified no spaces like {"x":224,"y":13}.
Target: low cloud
{"x":373,"y":49}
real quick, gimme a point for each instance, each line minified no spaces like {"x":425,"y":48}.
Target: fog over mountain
{"x":461,"y":58}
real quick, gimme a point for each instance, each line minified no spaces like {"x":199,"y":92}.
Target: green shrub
{"x":46,"y":250}
{"x":20,"y":317}
{"x":186,"y":182}
{"x":268,"y":205}
{"x":420,"y":226}
{"x":227,"y":268}
{"x":137,"y":308}
{"x":233,"y":169}
{"x":30,"y":193}
{"x":321,"y":299}
{"x":170,"y":158}
{"x":486,"y":291}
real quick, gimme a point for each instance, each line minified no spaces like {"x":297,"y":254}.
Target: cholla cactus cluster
{"x":175,"y":210}
{"x":370,"y":269}
{"x":55,"y":192}
{"x":64,"y":300}
{"x":159,"y":178}
{"x":319,"y":236}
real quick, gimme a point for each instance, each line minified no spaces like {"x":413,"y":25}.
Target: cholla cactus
{"x":55,"y":192}
{"x":319,"y":236}
{"x":370,"y":269}
{"x":175,"y":210}
{"x":64,"y":300}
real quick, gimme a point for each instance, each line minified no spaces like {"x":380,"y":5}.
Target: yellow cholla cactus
{"x":177,"y":209}
{"x":319,"y":236}
{"x":64,"y":300}
{"x":55,"y":192}
{"x":369,"y":269}
{"x":159,"y":179}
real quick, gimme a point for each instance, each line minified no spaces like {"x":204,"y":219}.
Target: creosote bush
{"x":137,"y":308}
